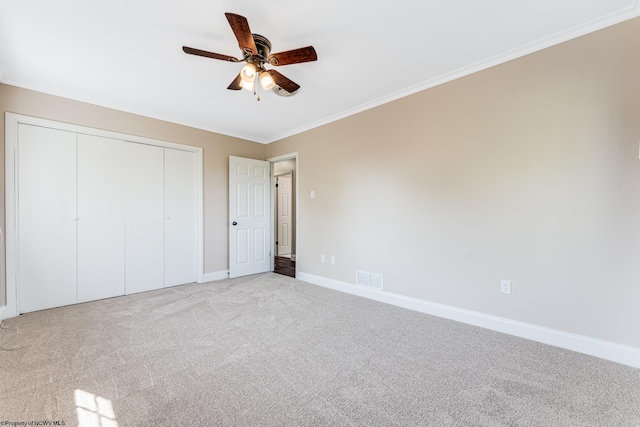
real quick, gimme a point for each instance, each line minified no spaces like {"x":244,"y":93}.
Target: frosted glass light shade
{"x":248,"y":73}
{"x":246,"y":85}
{"x":266,"y":81}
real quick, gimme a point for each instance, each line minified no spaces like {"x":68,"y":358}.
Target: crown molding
{"x":127,"y":109}
{"x":629,"y":12}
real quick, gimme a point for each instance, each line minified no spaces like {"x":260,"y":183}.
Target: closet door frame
{"x":12,"y":122}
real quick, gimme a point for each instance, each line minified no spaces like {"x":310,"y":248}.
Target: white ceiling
{"x":127,"y":54}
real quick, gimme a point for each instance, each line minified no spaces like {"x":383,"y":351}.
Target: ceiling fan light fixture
{"x":246,"y":85}
{"x":256,"y":52}
{"x":266,"y":80}
{"x":249,"y":72}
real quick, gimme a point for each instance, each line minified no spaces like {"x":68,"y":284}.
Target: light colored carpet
{"x":269,"y":350}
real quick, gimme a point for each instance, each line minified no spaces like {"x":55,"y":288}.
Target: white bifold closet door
{"x":181,"y":221}
{"x":100,"y":217}
{"x":47,"y":248}
{"x":144,"y":217}
{"x":161,"y":217}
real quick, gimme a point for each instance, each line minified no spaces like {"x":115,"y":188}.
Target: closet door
{"x":101,"y":217}
{"x":144,"y":217}
{"x":46,"y":218}
{"x":180,"y":175}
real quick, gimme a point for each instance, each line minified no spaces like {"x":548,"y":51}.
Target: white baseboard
{"x":619,"y":353}
{"x":6,"y":312}
{"x":215,"y":275}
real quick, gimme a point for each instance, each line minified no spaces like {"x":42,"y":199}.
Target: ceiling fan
{"x":256,"y":52}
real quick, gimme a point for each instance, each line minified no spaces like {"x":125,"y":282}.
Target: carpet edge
{"x":619,"y":353}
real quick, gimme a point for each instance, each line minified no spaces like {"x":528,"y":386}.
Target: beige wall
{"x":284,"y":166}
{"x":216,"y":150}
{"x":528,"y":171}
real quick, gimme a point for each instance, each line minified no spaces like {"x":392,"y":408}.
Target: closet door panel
{"x":144,"y":217}
{"x":180,"y":217}
{"x":101,"y":217}
{"x":46,"y":218}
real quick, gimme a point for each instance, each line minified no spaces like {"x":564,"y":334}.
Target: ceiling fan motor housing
{"x":264,"y":47}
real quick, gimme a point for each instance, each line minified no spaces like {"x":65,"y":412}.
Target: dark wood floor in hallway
{"x":285,"y":266}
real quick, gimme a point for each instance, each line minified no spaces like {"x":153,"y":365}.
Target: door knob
{"x":234,"y":223}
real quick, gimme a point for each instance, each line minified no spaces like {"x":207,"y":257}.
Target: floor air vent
{"x":370,"y":280}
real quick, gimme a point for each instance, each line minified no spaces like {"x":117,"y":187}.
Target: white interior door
{"x":100,"y":217}
{"x":285,"y":222}
{"x":46,"y":218}
{"x":144,"y":217}
{"x":249,"y":216}
{"x":180,"y":200}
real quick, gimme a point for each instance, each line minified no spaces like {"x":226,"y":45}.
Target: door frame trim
{"x":272,"y":160}
{"x":12,"y":121}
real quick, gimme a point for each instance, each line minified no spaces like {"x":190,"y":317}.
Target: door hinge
{"x":276,"y":242}
{"x":276,"y":185}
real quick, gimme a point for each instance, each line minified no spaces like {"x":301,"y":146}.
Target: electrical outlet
{"x":322,"y":258}
{"x":312,"y":194}
{"x":505,"y":287}
{"x":333,"y":259}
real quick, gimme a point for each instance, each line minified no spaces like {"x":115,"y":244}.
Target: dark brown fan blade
{"x":295,"y":56}
{"x":240,"y":28}
{"x":206,"y":54}
{"x":235,"y":85}
{"x":283,"y":82}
